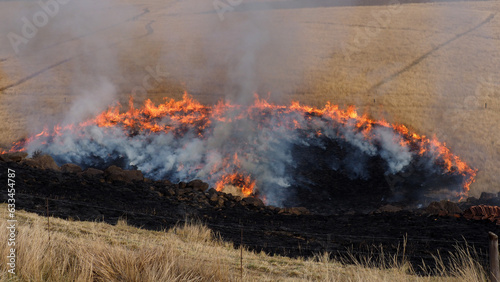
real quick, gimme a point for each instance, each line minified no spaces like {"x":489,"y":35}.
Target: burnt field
{"x":358,"y":128}
{"x":110,"y":194}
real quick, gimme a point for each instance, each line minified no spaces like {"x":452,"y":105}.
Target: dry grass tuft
{"x":463,"y":263}
{"x":95,"y":251}
{"x":92,"y":251}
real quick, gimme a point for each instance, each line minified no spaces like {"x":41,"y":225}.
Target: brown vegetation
{"x":94,"y":251}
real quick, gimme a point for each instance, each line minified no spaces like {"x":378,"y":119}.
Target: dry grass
{"x":93,"y":251}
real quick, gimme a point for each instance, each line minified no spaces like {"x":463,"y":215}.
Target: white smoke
{"x":89,"y":102}
{"x":63,"y":56}
{"x":264,"y":141}
{"x":250,"y":52}
{"x":396,"y":155}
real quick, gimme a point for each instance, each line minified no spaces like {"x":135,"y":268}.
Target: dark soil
{"x":158,"y":205}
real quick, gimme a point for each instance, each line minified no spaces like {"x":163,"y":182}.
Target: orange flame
{"x":235,"y":179}
{"x":180,"y":117}
{"x":239,"y":180}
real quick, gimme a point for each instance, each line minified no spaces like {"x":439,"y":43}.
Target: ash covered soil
{"x":356,"y":225}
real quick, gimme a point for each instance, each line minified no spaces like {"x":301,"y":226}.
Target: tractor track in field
{"x":428,"y":53}
{"x":149,"y":31}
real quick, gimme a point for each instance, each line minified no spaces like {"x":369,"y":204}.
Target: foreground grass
{"x":96,"y":251}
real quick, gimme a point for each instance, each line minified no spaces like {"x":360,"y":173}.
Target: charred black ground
{"x":328,"y":174}
{"x":156,"y":205}
{"x":288,"y":155}
{"x":324,"y":179}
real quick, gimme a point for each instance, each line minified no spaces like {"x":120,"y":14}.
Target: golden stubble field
{"x":431,"y":66}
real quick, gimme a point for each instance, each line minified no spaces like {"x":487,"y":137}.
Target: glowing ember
{"x":247,"y":147}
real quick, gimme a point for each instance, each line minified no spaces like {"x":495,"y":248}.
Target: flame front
{"x":247,"y":147}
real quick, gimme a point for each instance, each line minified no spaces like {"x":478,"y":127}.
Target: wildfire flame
{"x":188,"y":117}
{"x":236,"y":179}
{"x":245,"y":183}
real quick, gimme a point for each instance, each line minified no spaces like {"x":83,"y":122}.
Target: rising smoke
{"x":277,"y":147}
{"x":69,"y":51}
{"x":230,"y":58}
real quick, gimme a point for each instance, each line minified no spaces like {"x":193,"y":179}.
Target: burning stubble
{"x":265,"y":150}
{"x":251,"y":50}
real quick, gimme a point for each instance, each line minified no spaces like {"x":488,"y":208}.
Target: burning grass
{"x":255,"y":147}
{"x":92,"y":251}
